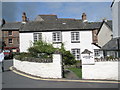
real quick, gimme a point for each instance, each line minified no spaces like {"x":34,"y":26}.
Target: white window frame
{"x":76,"y":53}
{"x":56,"y":36}
{"x":96,"y":53}
{"x":75,"y":37}
{"x":37,"y":36}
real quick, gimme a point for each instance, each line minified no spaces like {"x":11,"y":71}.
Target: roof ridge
{"x":47,"y":15}
{"x":68,"y":18}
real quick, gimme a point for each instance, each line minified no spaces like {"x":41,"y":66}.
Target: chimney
{"x":105,"y":20}
{"x":24,"y":18}
{"x":84,"y":18}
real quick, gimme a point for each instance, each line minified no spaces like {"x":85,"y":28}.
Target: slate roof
{"x":86,"y":51}
{"x":11,"y":26}
{"x":111,"y":45}
{"x":51,"y":22}
{"x":48,"y":17}
{"x":109,"y":23}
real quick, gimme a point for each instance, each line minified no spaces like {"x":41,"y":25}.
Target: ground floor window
{"x":97,"y":52}
{"x":76,"y":53}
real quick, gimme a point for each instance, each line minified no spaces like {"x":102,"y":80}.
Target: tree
{"x":68,"y":58}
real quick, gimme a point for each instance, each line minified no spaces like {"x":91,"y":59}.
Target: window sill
{"x":75,"y":41}
{"x":56,"y":42}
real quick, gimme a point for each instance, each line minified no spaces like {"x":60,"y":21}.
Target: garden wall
{"x":44,"y":70}
{"x":101,"y":70}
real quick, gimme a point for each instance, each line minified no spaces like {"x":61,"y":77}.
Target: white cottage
{"x":77,"y":35}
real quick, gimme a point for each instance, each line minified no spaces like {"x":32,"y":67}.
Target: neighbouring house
{"x":112,"y":48}
{"x":10,"y":33}
{"x":105,"y":33}
{"x":2,"y":21}
{"x":76,"y":34}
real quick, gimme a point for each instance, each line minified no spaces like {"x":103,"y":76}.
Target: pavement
{"x":15,"y":79}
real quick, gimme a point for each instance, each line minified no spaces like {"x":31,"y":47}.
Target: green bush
{"x":40,"y":48}
{"x":68,"y":58}
{"x":44,"y":50}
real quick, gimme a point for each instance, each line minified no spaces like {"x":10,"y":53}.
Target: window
{"x":37,"y":36}
{"x":97,"y":52}
{"x":76,"y":53}
{"x":9,"y":32}
{"x":56,"y":36}
{"x":75,"y":37}
{"x":10,"y":41}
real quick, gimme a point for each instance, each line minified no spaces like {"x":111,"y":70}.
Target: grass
{"x":77,"y":71}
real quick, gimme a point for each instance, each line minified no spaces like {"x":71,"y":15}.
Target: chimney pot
{"x":24,"y":18}
{"x":84,"y":17}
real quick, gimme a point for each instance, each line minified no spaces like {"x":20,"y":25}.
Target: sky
{"x":96,"y":11}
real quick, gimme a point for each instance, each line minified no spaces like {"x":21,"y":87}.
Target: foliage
{"x":22,"y":55}
{"x":45,"y":50}
{"x":78,"y":64}
{"x":41,"y":48}
{"x":109,"y":57}
{"x":68,"y":58}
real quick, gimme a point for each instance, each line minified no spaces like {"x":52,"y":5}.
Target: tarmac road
{"x":13,"y":80}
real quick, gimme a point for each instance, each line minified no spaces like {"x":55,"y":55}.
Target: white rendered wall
{"x":101,"y":70}
{"x":44,"y":70}
{"x":85,"y":40}
{"x":104,"y":35}
{"x":26,"y":40}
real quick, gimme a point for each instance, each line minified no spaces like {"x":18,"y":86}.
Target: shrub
{"x":40,"y":48}
{"x":43,"y":50}
{"x":68,"y":58}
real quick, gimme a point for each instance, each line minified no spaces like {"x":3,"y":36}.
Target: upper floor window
{"x":75,"y":37}
{"x":56,"y":36}
{"x":10,"y":41}
{"x":37,"y":36}
{"x":9,"y":32}
{"x":76,"y":53}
